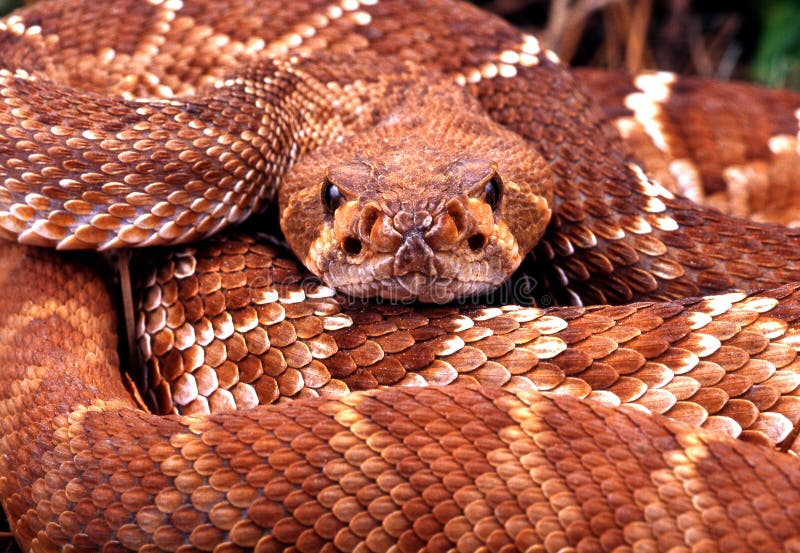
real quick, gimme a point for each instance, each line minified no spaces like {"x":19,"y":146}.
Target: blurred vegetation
{"x":777,"y":57}
{"x":750,"y":40}
{"x":8,"y":5}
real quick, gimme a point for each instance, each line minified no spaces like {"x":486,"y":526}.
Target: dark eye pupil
{"x":331,"y":196}
{"x":492,"y":191}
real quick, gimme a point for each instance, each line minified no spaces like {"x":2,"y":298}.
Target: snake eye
{"x":331,"y":196}
{"x":493,"y":190}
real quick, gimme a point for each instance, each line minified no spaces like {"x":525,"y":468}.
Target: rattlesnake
{"x":172,"y":119}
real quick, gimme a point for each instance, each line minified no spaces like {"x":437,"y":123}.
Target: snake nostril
{"x":477,"y":241}
{"x":459,"y":215}
{"x":369,"y":218}
{"x":352,"y":245}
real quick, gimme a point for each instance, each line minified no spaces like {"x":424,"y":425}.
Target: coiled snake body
{"x":136,"y":123}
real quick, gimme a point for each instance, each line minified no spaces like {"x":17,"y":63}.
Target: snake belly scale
{"x":148,"y":123}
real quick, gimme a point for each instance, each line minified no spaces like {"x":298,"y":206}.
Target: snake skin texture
{"x":231,"y":325}
{"x":735,"y":159}
{"x":419,"y":469}
{"x":492,"y":428}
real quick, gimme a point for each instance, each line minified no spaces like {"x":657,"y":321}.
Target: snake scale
{"x":147,"y":123}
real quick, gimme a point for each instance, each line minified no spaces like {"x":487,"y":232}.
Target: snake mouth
{"x":449,"y":276}
{"x":417,"y":287}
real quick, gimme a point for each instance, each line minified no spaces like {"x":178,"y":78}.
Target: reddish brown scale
{"x":736,"y":160}
{"x":431,"y":468}
{"x":724,"y":363}
{"x":171,"y":106}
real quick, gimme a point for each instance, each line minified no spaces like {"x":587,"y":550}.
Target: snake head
{"x":418,"y":208}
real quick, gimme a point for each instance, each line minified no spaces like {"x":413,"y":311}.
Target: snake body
{"x":182,"y":117}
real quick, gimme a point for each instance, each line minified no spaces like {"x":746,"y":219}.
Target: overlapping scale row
{"x":232,"y":324}
{"x":433,"y":468}
{"x":743,"y":161}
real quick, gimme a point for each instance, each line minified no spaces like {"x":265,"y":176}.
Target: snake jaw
{"x":437,"y":261}
{"x":432,"y":262}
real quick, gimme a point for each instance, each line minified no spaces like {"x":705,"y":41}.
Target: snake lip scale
{"x":404,"y":143}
